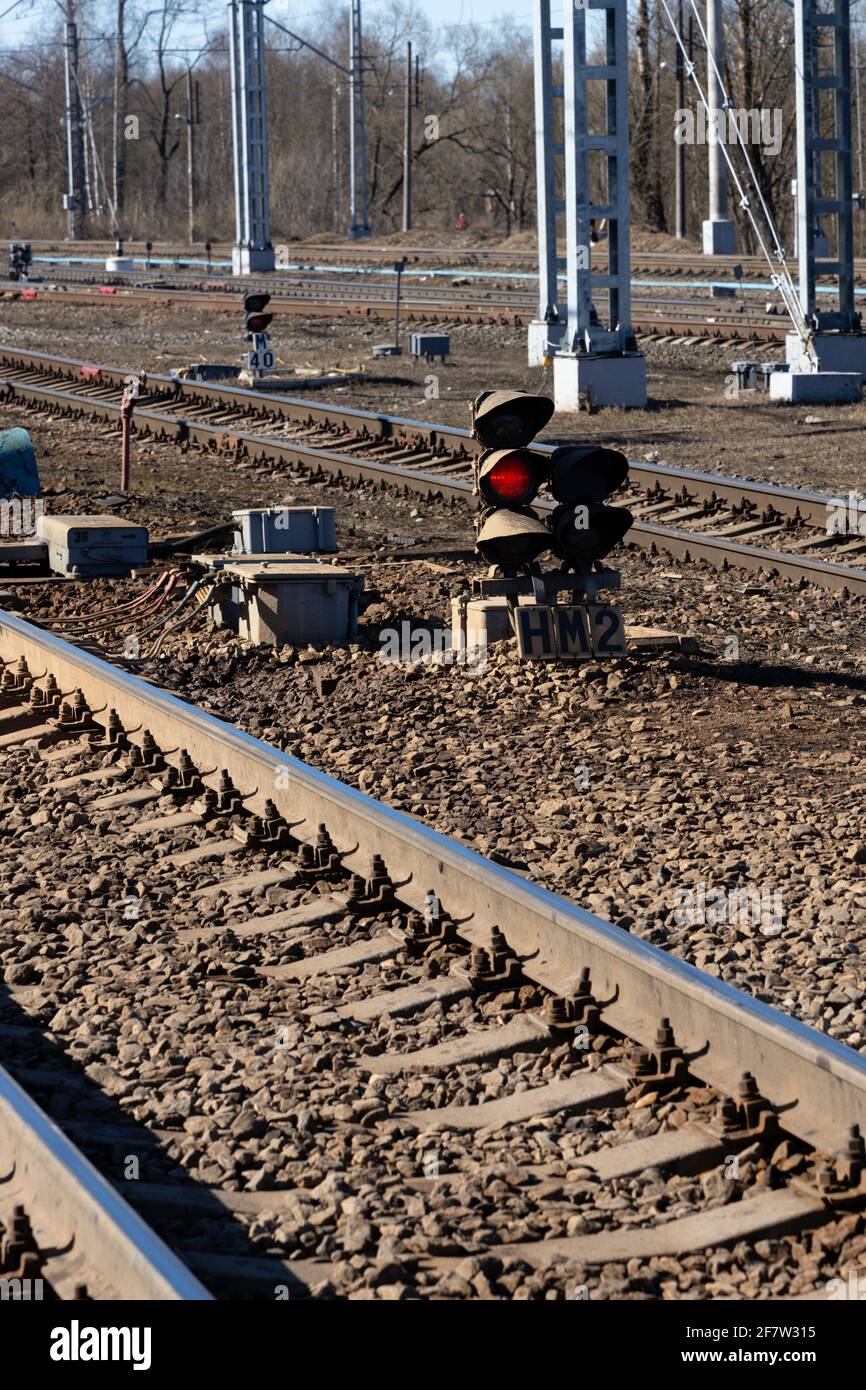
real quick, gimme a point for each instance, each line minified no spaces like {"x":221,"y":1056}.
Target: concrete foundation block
{"x":543,"y":340}
{"x":816,"y":388}
{"x":114,"y":264}
{"x":719,"y":238}
{"x":486,"y":623}
{"x":608,"y":380}
{"x":837,"y":352}
{"x":248,"y":260}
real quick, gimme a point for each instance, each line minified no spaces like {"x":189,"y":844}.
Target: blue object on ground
{"x":19,"y":475}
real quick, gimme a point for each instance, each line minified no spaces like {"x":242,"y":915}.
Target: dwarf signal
{"x":580,"y":530}
{"x":255,"y":318}
{"x":256,"y":322}
{"x":509,"y":475}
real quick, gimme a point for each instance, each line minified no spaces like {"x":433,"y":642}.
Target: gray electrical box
{"x":281,"y":530}
{"x":276,"y":602}
{"x":84,"y":546}
{"x":429,"y":345}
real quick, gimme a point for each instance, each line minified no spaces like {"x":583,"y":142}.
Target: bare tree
{"x":158,"y":95}
{"x":124,"y":50}
{"x":646,"y":169}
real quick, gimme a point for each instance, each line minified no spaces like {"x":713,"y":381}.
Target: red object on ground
{"x":29,"y":294}
{"x":108,"y":289}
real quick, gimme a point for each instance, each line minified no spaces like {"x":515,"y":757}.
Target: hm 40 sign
{"x":569,"y":632}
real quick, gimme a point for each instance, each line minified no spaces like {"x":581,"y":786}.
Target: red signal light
{"x":257,"y":323}
{"x":510,"y":477}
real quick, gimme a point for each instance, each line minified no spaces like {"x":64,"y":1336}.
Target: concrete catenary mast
{"x":595,"y":361}
{"x":252,"y":251}
{"x":718,"y":228}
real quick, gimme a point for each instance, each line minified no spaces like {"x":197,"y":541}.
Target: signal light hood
{"x":512,"y":539}
{"x":509,"y":419}
{"x":254,"y":302}
{"x":587,"y":475}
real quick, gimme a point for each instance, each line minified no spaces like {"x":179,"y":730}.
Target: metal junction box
{"x":429,"y":345}
{"x":299,"y":603}
{"x":278,"y":530}
{"x":84,"y":546}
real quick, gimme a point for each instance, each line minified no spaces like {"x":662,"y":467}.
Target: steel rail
{"x":812,"y":508}
{"x":78,"y":1218}
{"x":456,"y":257}
{"x":365,"y":250}
{"x":817,"y":1084}
{"x":692,"y":298}
{"x":646,"y":322}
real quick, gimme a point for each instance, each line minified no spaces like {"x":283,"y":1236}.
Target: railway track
{"x":651,"y":320}
{"x":669,"y":263}
{"x":691,"y":515}
{"x":329,"y":1051}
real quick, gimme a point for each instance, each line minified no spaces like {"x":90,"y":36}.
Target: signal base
{"x":250,"y":260}
{"x":544,"y":339}
{"x":719,"y":237}
{"x":816,"y":388}
{"x":837,"y":352}
{"x":609,"y":379}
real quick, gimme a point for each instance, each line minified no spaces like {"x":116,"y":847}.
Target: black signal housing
{"x":584,"y":528}
{"x":586,"y":474}
{"x":512,"y":538}
{"x":508,"y":476}
{"x":255,"y":319}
